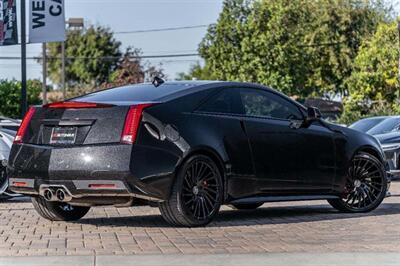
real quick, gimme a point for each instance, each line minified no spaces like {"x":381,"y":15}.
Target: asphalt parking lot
{"x":311,"y":227}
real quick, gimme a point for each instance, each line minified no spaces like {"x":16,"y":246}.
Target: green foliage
{"x":196,"y":72}
{"x":132,"y":70}
{"x":10,"y":96}
{"x":301,"y":47}
{"x":374,"y":85}
{"x":81,"y":47}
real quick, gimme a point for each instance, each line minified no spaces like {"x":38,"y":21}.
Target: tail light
{"x":76,"y":105}
{"x":24,"y":126}
{"x":132,"y":123}
{"x":19,"y":184}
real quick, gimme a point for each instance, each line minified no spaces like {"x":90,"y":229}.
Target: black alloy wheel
{"x":366,"y":185}
{"x":197,"y":194}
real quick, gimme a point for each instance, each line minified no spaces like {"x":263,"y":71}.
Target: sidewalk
{"x":276,"y":259}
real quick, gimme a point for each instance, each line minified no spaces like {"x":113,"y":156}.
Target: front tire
{"x":58,"y":211}
{"x":366,"y":185}
{"x":196,"y":195}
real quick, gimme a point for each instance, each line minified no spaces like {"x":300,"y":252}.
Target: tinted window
{"x":266,"y":104}
{"x":388,"y":125}
{"x":366,"y":124}
{"x":227,"y":102}
{"x":134,"y":93}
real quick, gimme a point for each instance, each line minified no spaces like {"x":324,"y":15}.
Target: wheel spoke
{"x":209,"y":201}
{"x":200,"y":171}
{"x":204,"y":208}
{"x":213,"y":198}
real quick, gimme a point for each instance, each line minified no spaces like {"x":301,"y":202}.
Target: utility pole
{"x":24,"y":99}
{"x":76,"y":23}
{"x":64,"y":89}
{"x":44,"y":82}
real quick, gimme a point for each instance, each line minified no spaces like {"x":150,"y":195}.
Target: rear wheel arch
{"x":213,"y":155}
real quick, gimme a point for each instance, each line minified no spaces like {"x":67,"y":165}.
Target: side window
{"x":267,"y":104}
{"x":225,"y":102}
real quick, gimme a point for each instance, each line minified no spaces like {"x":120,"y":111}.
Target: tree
{"x":132,"y":70}
{"x":301,"y":47}
{"x":92,"y":55}
{"x":196,"y":72}
{"x":374,"y":84}
{"x":10,"y":96}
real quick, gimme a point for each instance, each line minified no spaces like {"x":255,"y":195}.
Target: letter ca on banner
{"x":46,"y":21}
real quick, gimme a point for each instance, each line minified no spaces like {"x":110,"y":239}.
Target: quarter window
{"x":225,"y":102}
{"x":266,"y":104}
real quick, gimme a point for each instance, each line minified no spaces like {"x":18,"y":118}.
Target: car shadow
{"x":262,"y":216}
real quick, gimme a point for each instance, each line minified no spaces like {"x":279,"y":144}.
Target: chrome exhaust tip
{"x":60,"y":194}
{"x":63,"y":196}
{"x":48,"y":194}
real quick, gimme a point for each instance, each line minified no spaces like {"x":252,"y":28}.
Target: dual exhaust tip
{"x":59,"y":194}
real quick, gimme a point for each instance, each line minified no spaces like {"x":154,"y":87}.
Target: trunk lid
{"x":73,"y":126}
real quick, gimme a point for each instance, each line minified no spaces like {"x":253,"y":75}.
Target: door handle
{"x":295,"y":124}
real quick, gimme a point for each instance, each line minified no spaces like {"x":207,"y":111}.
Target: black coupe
{"x":189,"y":147}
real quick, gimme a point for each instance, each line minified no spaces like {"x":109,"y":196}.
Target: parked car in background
{"x":9,"y":123}
{"x":8,"y":130}
{"x":190,"y":147}
{"x":388,"y":125}
{"x":366,"y":124}
{"x":387,"y":130}
{"x":388,"y":133}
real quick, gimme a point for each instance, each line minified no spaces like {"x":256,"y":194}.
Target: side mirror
{"x":313,"y":114}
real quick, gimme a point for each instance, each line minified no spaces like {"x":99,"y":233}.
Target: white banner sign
{"x":46,"y":21}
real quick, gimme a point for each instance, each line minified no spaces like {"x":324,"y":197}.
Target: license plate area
{"x":63,"y":135}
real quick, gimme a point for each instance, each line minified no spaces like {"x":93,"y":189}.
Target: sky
{"x":132,"y":15}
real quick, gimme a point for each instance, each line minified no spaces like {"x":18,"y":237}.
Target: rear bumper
{"x":80,"y":192}
{"x":93,"y":175}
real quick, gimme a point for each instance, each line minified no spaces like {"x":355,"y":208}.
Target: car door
{"x":283,"y":152}
{"x":223,"y":110}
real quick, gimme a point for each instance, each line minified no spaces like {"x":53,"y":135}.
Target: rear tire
{"x":366,"y":185}
{"x":196,"y":195}
{"x":58,"y":211}
{"x":246,"y":206}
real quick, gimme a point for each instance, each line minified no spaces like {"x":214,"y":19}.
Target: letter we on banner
{"x":46,"y":21}
{"x":8,"y":22}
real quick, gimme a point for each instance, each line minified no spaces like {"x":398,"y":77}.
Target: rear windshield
{"x":134,"y":93}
